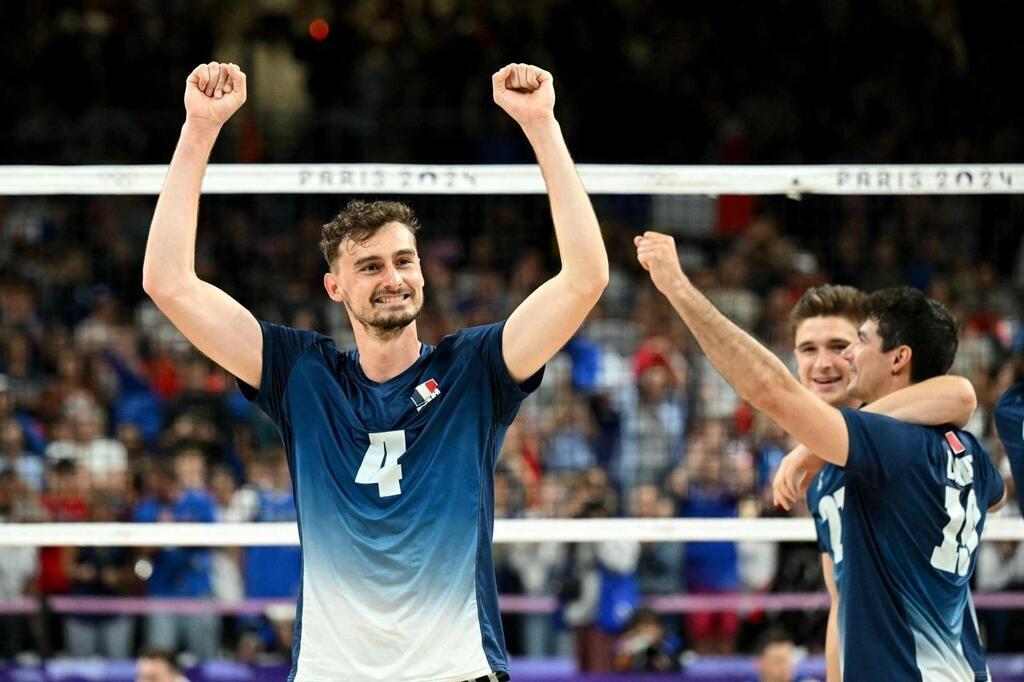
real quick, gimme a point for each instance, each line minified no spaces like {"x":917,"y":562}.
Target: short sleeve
{"x":1009,"y":414}
{"x":282,"y":347}
{"x":508,"y":395}
{"x":881,"y":448}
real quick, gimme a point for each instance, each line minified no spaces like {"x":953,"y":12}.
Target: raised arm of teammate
{"x":751,"y":369}
{"x":548,"y":318}
{"x":214,"y":322}
{"x":940,"y":400}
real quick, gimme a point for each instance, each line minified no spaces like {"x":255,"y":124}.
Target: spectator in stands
{"x":646,"y":646}
{"x":179,"y":571}
{"x":158,"y":665}
{"x":659,"y":570}
{"x":710,"y":485}
{"x":101,"y":461}
{"x":654,"y":421}
{"x":14,"y":457}
{"x":101,"y":572}
{"x":18,"y":567}
{"x":775,"y":657}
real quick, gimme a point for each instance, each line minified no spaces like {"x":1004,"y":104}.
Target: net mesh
{"x":99,"y":394}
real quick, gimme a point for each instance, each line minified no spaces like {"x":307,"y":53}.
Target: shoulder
{"x":474,"y":335}
{"x":1009,"y":410}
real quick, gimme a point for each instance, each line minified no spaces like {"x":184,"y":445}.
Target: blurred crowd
{"x":107,"y":414}
{"x":846,"y":81}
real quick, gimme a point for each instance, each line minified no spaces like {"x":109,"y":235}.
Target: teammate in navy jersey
{"x":825,"y":322}
{"x":915,"y":498}
{"x":392,"y":445}
{"x":1010,"y":425}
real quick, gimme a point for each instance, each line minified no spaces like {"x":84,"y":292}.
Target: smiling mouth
{"x":825,"y":382}
{"x":392,"y":298}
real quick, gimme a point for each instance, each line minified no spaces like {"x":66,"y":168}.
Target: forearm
{"x":936,"y":401}
{"x":750,"y":368}
{"x":170,"y":251}
{"x":580,"y":245}
{"x":832,"y":668}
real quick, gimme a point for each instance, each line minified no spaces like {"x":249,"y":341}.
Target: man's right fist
{"x":213,"y":92}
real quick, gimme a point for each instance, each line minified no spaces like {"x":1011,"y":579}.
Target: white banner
{"x":383,"y":179}
{"x":505,"y":531}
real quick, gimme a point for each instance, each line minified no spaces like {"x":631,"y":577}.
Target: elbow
{"x":590,"y":285}
{"x":161,"y":286}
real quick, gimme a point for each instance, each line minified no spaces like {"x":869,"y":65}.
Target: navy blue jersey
{"x":394,"y":493}
{"x":1010,"y":425}
{"x":826,"y":498}
{"x":913,"y":513}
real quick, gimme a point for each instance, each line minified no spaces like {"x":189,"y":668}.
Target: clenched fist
{"x":213,"y":92}
{"x":525,"y":92}
{"x":658,"y":256}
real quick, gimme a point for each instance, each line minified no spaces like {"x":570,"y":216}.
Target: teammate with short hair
{"x":825,"y":322}
{"x":392,"y":446}
{"x":915,"y":497}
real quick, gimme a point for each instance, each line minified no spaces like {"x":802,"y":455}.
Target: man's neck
{"x":893,"y":384}
{"x":384,"y":359}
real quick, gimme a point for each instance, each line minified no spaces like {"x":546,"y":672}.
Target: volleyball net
{"x":632,"y":437}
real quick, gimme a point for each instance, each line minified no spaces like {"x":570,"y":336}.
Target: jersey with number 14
{"x":393,"y":488}
{"x":913,"y":513}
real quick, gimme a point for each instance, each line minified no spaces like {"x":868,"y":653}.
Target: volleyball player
{"x":825,"y":322}
{"x":1010,"y":425}
{"x":392,"y":445}
{"x":915,"y":498}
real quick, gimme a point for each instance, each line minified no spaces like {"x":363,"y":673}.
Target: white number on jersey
{"x":829,"y":507}
{"x":959,"y":537}
{"x":380,"y":463}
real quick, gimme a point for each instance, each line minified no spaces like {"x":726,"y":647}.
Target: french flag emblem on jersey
{"x":424,"y":393}
{"x":954,"y":443}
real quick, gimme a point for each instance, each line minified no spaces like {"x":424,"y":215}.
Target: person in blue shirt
{"x":916,"y":497}
{"x":392,"y":445}
{"x":825,"y":322}
{"x":1009,"y":415}
{"x":179,"y":571}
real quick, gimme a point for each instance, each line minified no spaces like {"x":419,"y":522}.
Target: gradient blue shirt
{"x":394,"y":493}
{"x":913,"y":513}
{"x":1010,"y":425}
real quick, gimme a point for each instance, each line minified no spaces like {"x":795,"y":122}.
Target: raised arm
{"x":213,"y":321}
{"x":548,"y":318}
{"x":750,"y":368}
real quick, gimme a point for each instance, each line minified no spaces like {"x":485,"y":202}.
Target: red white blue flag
{"x":424,"y":393}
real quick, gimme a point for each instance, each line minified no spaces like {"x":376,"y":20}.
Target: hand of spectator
{"x":658,"y":256}
{"x":213,"y":92}
{"x":794,"y":476}
{"x":526,"y":93}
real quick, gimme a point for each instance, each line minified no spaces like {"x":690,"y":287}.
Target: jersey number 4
{"x":380,"y":463}
{"x":959,"y":537}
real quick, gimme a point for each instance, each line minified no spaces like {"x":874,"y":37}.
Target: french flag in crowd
{"x":424,"y":393}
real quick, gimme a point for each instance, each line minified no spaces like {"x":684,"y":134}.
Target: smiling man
{"x":825,"y":323}
{"x":391,"y":446}
{"x":915,"y":497}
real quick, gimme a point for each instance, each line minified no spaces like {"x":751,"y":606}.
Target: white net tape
{"x":505,"y":531}
{"x":375,"y":178}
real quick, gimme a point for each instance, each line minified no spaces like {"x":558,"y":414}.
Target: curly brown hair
{"x":360,"y":220}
